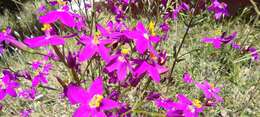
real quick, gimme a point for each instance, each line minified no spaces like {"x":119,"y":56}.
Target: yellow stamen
{"x":95,"y":40}
{"x":153,"y":56}
{"x":46,"y":27}
{"x":36,"y":72}
{"x":218,"y":31}
{"x":97,"y":33}
{"x":151,"y":28}
{"x":96,"y":101}
{"x":61,"y":2}
{"x":211,"y":85}
{"x":125,"y":49}
{"x":3,"y":30}
{"x":196,"y":103}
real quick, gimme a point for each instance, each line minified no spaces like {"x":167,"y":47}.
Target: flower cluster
{"x":222,"y":40}
{"x":122,"y":55}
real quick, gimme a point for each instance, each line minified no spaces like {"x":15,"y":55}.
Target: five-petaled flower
{"x":184,"y":107}
{"x":187,"y":78}
{"x":120,"y":63}
{"x":92,"y":101}
{"x":8,"y":85}
{"x":143,"y":38}
{"x":63,"y":15}
{"x":210,"y":91}
{"x":220,"y":40}
{"x":93,"y":45}
{"x":151,"y":68}
{"x":220,"y":9}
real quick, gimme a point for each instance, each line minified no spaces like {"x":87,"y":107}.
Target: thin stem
{"x":72,"y":70}
{"x":176,"y":57}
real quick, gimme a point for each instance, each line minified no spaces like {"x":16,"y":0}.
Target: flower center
{"x":146,"y":36}
{"x":197,"y":103}
{"x":46,"y":27}
{"x":211,"y":85}
{"x":153,"y":56}
{"x":61,"y":2}
{"x":151,"y":28}
{"x":125,"y":49}
{"x":218,"y":31}
{"x":96,"y":101}
{"x":95,"y":39}
{"x":4,"y":31}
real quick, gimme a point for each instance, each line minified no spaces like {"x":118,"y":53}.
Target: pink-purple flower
{"x":220,"y":9}
{"x":8,"y":85}
{"x":143,"y":38}
{"x":120,"y":64}
{"x":91,"y":101}
{"x":187,"y":78}
{"x":184,"y":107}
{"x":152,"y":69}
{"x":218,"y":41}
{"x":210,"y":91}
{"x":94,"y":45}
{"x":63,"y":15}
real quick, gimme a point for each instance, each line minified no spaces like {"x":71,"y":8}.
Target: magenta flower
{"x":220,"y":9}
{"x":164,"y":2}
{"x":121,"y":65}
{"x":36,"y":65}
{"x":187,"y":78}
{"x":26,"y":113}
{"x":41,"y":77}
{"x":152,"y":69}
{"x":219,"y":40}
{"x":94,"y":45}
{"x":153,"y":95}
{"x":109,"y":31}
{"x":143,"y":39}
{"x":210,"y":91}
{"x":44,"y":40}
{"x":254,"y":53}
{"x":28,"y":94}
{"x":92,"y":102}
{"x":6,"y":36}
{"x":8,"y":85}
{"x":63,"y":15}
{"x":182,"y":7}
{"x":184,"y":107}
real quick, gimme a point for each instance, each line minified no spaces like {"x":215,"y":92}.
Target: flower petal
{"x":87,"y":53}
{"x":2,"y":94}
{"x":108,"y":104}
{"x":49,"y":17}
{"x":82,"y":111}
{"x":11,"y":92}
{"x":67,"y":19}
{"x":76,"y":94}
{"x":96,"y":87}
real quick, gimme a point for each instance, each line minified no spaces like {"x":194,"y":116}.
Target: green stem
{"x":62,"y":58}
{"x":176,"y":55}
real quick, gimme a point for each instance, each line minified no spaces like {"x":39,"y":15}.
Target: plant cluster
{"x":124,"y":56}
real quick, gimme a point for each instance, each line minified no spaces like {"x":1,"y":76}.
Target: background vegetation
{"x":234,"y":71}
